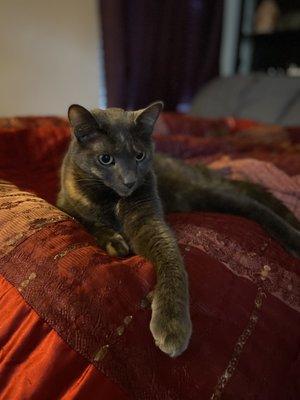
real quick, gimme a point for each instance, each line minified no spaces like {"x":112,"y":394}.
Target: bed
{"x":74,"y":321}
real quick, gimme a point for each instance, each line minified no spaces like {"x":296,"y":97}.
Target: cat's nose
{"x":129,"y":184}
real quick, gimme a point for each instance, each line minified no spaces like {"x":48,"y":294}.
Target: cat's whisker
{"x":85,"y":181}
{"x":88,"y":184}
{"x":88,"y":179}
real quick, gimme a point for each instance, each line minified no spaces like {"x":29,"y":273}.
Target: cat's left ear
{"x":147,"y":117}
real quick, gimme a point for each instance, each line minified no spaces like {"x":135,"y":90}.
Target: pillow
{"x":260,"y":97}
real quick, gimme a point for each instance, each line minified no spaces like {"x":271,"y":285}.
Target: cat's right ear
{"x":147,"y":117}
{"x":83,"y":123}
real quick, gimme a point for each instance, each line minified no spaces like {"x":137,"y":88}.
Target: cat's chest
{"x":116,"y":215}
{"x":110,"y":214}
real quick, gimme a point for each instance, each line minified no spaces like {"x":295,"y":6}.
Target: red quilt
{"x":74,"y":321}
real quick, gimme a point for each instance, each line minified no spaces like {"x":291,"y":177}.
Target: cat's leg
{"x":151,"y":238}
{"x":106,"y":236}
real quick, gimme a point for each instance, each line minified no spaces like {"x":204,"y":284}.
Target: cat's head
{"x":114,"y":146}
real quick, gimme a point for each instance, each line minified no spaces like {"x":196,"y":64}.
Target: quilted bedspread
{"x":74,"y":321}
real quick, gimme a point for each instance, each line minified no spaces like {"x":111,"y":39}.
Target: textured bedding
{"x":74,"y":321}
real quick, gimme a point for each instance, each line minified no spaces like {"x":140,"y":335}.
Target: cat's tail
{"x":238,"y":203}
{"x":229,"y":199}
{"x":183,"y":188}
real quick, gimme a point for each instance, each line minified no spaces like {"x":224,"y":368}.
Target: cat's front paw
{"x":116,"y":246}
{"x":171,"y":329}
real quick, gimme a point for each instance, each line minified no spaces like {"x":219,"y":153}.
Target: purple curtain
{"x":159,"y":49}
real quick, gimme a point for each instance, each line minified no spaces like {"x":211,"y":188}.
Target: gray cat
{"x":112,"y":183}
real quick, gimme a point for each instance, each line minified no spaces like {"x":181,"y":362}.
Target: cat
{"x":114,"y":184}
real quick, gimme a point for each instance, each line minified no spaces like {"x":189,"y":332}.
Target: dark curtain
{"x":159,"y":49}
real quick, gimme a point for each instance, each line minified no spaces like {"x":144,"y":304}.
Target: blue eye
{"x":140,"y":156}
{"x":106,"y":159}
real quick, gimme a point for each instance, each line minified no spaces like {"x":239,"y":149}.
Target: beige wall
{"x":48,"y":55}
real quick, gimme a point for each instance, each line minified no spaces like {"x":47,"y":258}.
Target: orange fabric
{"x":35,"y":363}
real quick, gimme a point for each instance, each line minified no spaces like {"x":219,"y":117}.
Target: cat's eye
{"x":140,"y":156}
{"x":106,"y":159}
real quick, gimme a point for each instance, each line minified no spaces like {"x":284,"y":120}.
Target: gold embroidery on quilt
{"x":264,"y":272}
{"x":19,"y":194}
{"x":26,"y":282}
{"x":70,"y":248}
{"x":41,"y":222}
{"x":128,"y":319}
{"x":10,"y":243}
{"x":240,"y":344}
{"x":101,"y":353}
{"x":12,"y":204}
{"x":275,"y":279}
{"x":120,"y":330}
